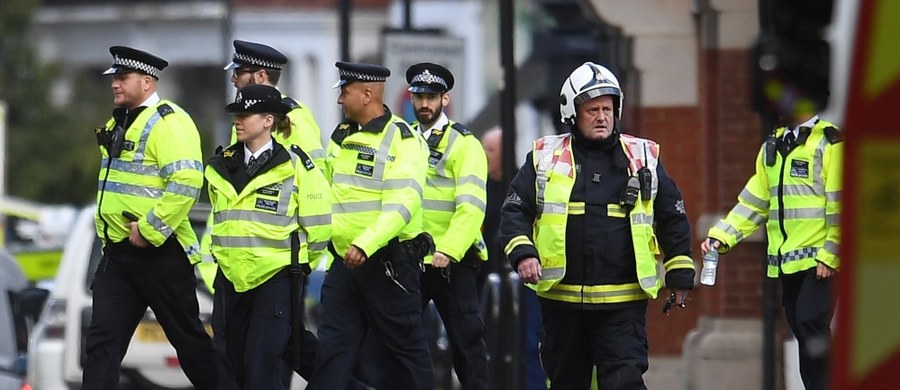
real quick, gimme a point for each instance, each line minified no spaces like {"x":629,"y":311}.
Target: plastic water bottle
{"x":710,"y":263}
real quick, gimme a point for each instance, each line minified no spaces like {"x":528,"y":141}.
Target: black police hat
{"x":258,"y":98}
{"x":255,"y":54}
{"x":429,"y":78}
{"x":355,"y":71}
{"x":126,"y":59}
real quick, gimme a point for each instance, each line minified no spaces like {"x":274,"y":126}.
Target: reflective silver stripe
{"x":541,"y":158}
{"x":181,"y":189}
{"x":555,"y":208}
{"x":397,"y":184}
{"x":315,"y":220}
{"x":833,"y":196}
{"x":357,"y":207}
{"x":792,"y":190}
{"x":595,"y":294}
{"x":731,"y":230}
{"x":818,"y":166}
{"x":207,"y":258}
{"x":471,"y":179}
{"x":649,"y":282}
{"x":318,"y":245}
{"x":158,"y":224}
{"x":441,"y":165}
{"x":553,"y":273}
{"x":832,"y":247}
{"x":755,"y":201}
{"x":287,"y":187}
{"x":130,"y":189}
{"x":383,"y":152}
{"x":252,"y":216}
{"x":145,"y":133}
{"x":439,"y":205}
{"x":832,"y":219}
{"x":641,"y":219}
{"x":179,"y":165}
{"x":749,"y":214}
{"x":316,"y":154}
{"x":404,"y":212}
{"x":470,"y":199}
{"x":439,"y":182}
{"x":358,"y":181}
{"x":250,"y":242}
{"x":130,"y":167}
{"x":799,"y":213}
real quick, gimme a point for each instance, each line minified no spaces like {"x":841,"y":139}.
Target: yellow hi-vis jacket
{"x":454,"y":200}
{"x":555,"y":169}
{"x":377,"y":175}
{"x":157,"y":177}
{"x":251,"y":230}
{"x":305,"y":132}
{"x":798,"y":198}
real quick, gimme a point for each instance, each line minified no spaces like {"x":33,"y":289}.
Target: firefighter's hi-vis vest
{"x":798,"y":199}
{"x":555,"y":168}
{"x":157,"y":178}
{"x":454,"y":201}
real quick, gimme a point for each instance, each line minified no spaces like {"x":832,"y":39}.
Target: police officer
{"x":453,"y":212}
{"x":578,"y":226}
{"x":255,"y":63}
{"x":150,"y":177}
{"x":378,"y":171}
{"x":272,"y":211}
{"x":795,"y":192}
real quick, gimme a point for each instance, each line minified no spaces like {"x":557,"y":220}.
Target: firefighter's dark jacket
{"x":599,"y":248}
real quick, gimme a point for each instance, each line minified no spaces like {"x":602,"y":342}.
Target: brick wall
{"x":709,"y":150}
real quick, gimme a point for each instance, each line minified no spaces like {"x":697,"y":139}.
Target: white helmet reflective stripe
{"x":585,"y":83}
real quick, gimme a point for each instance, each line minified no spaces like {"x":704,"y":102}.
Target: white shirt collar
{"x":248,"y":153}
{"x":151,"y":101}
{"x":810,"y":123}
{"x":439,"y":124}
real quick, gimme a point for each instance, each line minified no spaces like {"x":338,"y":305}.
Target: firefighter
{"x":150,"y":177}
{"x":795,"y":192}
{"x":377,"y":166}
{"x":453,"y":212}
{"x":578,"y":226}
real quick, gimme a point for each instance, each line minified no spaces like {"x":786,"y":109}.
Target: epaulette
{"x":833,"y":135}
{"x":164,"y":109}
{"x":219,"y":149}
{"x":307,"y":162}
{"x":405,"y":131}
{"x":461,"y":129}
{"x":340,"y":132}
{"x":290,"y":102}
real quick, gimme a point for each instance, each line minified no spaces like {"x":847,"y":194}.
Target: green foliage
{"x":51,"y":155}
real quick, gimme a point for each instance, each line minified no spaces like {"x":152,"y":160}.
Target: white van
{"x":56,"y":346}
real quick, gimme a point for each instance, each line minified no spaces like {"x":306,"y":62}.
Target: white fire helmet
{"x":585,"y":83}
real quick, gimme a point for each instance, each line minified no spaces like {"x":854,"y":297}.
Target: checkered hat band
{"x":250,"y":102}
{"x":429,"y":78}
{"x":135,"y":64}
{"x":251,"y":60}
{"x":346,"y":74}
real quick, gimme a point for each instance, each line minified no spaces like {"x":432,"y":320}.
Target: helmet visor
{"x":592,"y":93}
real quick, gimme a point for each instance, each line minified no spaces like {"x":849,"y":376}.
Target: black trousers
{"x":127,"y":281}
{"x":361,"y":300}
{"x":808,"y":308}
{"x":575,"y":341}
{"x":455,"y":296}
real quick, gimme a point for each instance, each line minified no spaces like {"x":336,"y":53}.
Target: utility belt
{"x":416,"y":248}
